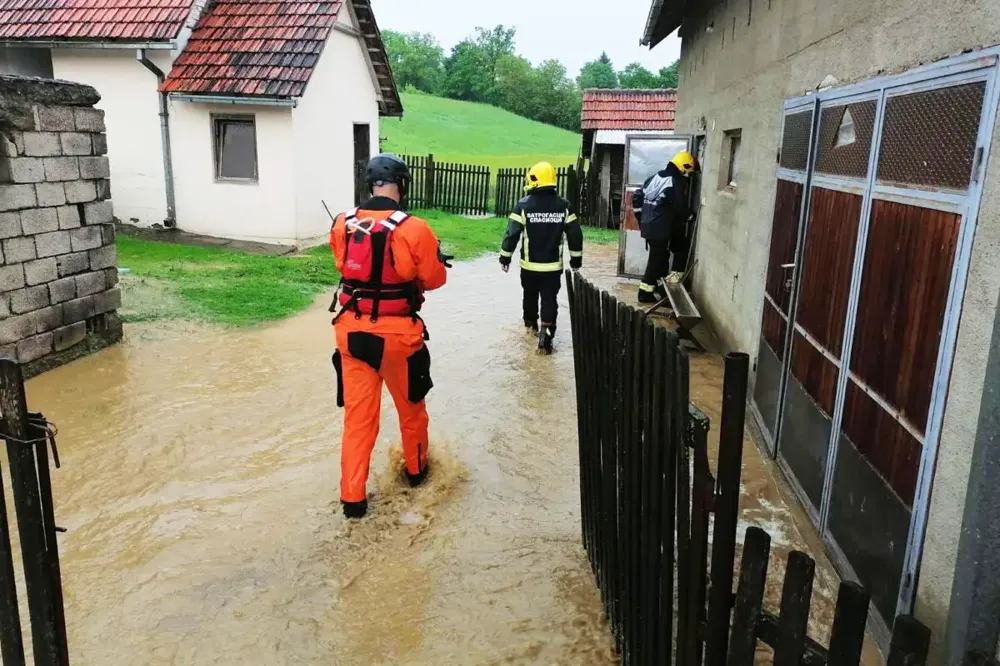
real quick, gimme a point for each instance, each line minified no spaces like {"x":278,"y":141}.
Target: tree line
{"x":485,"y":67}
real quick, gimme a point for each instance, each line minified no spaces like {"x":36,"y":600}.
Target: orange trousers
{"x":400,"y":360}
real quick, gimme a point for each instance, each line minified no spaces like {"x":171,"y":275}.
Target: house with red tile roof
{"x":608,"y":116}
{"x":231,"y":118}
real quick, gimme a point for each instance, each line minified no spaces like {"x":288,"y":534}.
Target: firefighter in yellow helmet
{"x":543,"y":218}
{"x":663,"y":210}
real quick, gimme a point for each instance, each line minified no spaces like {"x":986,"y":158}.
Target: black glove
{"x":444,"y":258}
{"x":504,"y":261}
{"x":575,"y":263}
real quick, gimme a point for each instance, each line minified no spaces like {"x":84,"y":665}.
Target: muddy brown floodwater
{"x":200,"y":490}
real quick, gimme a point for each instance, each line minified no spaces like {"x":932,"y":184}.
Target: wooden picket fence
{"x":647,"y":492}
{"x":468,"y":189}
{"x":456,"y":188}
{"x":510,"y":187}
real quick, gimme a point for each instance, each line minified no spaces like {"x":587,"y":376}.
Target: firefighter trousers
{"x":665,"y":256}
{"x":544,"y":287}
{"x":365,"y":361}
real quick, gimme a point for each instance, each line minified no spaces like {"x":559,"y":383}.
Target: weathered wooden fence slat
{"x":749,"y":598}
{"x":793,"y":623}
{"x":847,"y":637}
{"x":647,"y":493}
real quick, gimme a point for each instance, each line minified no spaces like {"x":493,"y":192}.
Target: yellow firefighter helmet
{"x":685,"y":161}
{"x":542,"y":174}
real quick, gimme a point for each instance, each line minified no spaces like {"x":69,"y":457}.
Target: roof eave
{"x":390,"y":104}
{"x":244,"y":100}
{"x":665,"y":16}
{"x":156,"y":45}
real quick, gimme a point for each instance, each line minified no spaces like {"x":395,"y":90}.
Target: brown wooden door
{"x":362,"y":153}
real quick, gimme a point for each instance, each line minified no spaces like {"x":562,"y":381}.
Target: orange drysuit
{"x":389,"y":349}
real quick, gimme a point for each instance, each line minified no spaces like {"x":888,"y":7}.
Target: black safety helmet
{"x":388,"y":168}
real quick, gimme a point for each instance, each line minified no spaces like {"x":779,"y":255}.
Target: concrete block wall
{"x":58,"y":268}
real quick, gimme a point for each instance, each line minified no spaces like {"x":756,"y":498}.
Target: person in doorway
{"x":387,"y":260}
{"x":543,"y":217}
{"x":663,"y":211}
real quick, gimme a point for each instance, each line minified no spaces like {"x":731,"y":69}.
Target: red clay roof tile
{"x":628,"y":109}
{"x":92,"y":20}
{"x":253,"y":47}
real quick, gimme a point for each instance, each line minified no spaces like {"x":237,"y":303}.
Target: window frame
{"x":217,"y":122}
{"x":728,"y":180}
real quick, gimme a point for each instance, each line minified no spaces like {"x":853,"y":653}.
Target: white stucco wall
{"x":340,"y":94}
{"x":259,"y":211}
{"x":130,"y":102}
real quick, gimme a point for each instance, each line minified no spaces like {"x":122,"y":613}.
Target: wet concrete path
{"x":199,"y":487}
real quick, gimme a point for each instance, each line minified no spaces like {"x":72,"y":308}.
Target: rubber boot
{"x":648,"y":297}
{"x":417,"y":480}
{"x":355,"y":510}
{"x":530,"y":327}
{"x":545,"y":335}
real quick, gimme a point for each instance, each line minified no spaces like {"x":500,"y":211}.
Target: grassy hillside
{"x":475,"y":134}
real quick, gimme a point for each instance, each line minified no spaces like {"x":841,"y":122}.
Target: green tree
{"x":416,"y":59}
{"x":598,"y":74}
{"x":669,"y":75}
{"x":495,"y":45}
{"x":517,"y":86}
{"x":560,"y":99}
{"x":465,"y":73}
{"x":637,"y":77}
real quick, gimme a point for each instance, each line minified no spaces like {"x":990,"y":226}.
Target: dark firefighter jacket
{"x":543,"y":217}
{"x":662,"y":203}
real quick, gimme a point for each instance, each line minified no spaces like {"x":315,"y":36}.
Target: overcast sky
{"x":573,"y":31}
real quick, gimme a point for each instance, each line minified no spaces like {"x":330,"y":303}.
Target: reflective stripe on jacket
{"x":539,"y":222}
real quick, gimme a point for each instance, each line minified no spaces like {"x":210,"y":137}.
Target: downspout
{"x":168,"y":162}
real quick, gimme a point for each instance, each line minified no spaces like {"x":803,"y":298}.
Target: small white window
{"x":845,"y":133}
{"x":235,"y":148}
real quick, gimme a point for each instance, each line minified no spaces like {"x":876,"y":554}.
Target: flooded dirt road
{"x":200,"y":489}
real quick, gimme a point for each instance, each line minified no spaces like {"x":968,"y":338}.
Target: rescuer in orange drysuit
{"x":387,"y":260}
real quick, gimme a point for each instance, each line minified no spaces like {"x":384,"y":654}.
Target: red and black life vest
{"x":370,"y":284}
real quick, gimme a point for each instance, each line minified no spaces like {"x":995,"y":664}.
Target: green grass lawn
{"x":239,"y":289}
{"x":471,"y":133}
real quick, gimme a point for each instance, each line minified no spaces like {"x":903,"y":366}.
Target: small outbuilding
{"x":607,"y":117}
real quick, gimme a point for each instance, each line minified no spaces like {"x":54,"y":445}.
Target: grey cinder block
{"x":19,"y":249}
{"x":67,"y":336}
{"x":33,"y":348}
{"x":29,"y":299}
{"x":71,"y":264}
{"x":62,"y":290}
{"x":40,"y":271}
{"x":50,"y":194}
{"x":16,"y":197}
{"x":76,"y":143}
{"x":86,"y":238}
{"x":80,"y":191}
{"x":53,"y":243}
{"x":39,"y":220}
